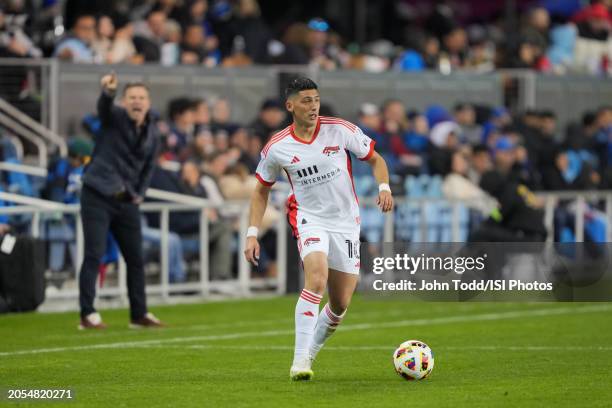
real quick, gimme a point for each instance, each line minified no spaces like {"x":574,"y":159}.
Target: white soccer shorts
{"x":342,"y":249}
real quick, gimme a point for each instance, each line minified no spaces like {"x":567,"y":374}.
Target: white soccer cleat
{"x":301,"y":369}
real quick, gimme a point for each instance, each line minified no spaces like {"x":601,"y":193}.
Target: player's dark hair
{"x":134,"y":85}
{"x":299,"y":84}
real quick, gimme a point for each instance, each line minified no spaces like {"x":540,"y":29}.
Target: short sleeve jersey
{"x":319,"y":171}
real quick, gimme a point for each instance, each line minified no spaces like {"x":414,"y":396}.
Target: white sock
{"x":306,"y":311}
{"x":326,"y":326}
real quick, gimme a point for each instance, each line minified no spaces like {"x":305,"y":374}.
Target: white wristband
{"x":252,"y":231}
{"x":384,"y":187}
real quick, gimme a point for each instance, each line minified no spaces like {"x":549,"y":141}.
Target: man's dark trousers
{"x":100,"y":214}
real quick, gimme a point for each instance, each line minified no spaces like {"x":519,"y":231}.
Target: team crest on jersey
{"x":331,"y":150}
{"x":311,"y":240}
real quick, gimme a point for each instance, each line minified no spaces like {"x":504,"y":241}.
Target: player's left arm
{"x":381,"y":173}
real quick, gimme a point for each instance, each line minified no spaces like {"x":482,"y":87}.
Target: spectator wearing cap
{"x":318,"y":47}
{"x":435,"y":114}
{"x":510,"y":160}
{"x":444,"y":138}
{"x":499,"y":118}
{"x":593,"y":49}
{"x":76,"y":46}
{"x":270,"y":119}
{"x":593,"y":22}
{"x":446,"y":135}
{"x":63,"y":172}
{"x":370,"y":122}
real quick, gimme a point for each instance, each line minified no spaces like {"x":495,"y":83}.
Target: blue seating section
{"x":415,"y":221}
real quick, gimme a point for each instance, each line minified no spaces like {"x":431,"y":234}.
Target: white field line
{"x":349,"y":327}
{"x":282,"y":321}
{"x":375,"y":348}
{"x":244,"y":323}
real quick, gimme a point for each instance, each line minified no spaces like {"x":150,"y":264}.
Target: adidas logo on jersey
{"x":295,"y":159}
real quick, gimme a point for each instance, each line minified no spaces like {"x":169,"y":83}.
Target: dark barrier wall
{"x":345,"y":91}
{"x":247,"y":87}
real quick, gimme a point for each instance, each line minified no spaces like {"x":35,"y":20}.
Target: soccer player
{"x":322,"y":210}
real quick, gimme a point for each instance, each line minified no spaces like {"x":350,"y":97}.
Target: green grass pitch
{"x":237,"y":353}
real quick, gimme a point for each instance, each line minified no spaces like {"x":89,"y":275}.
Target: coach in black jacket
{"x":114,"y":184}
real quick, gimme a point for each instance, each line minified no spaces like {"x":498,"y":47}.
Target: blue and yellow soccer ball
{"x":413,"y":360}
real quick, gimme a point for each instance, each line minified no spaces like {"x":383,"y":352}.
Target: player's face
{"x":137,"y":103}
{"x":305,"y":107}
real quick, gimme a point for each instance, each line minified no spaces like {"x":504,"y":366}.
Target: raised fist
{"x":109,"y":83}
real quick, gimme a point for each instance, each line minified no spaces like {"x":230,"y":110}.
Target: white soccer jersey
{"x":320,"y":174}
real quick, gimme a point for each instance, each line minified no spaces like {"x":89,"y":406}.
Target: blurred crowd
{"x":485,"y":156}
{"x":547,"y":36}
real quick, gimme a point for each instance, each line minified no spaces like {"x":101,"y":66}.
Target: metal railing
{"x":241,"y":286}
{"x":30,"y":136}
{"x":36,"y":128}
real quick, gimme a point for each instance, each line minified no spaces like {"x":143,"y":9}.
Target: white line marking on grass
{"x":348,"y":327}
{"x":376,"y":348}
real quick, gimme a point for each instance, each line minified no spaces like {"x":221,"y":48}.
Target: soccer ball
{"x":413,"y":360}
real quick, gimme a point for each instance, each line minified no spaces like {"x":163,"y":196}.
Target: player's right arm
{"x":259,"y":202}
{"x":267,"y":171}
{"x":108,"y":84}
